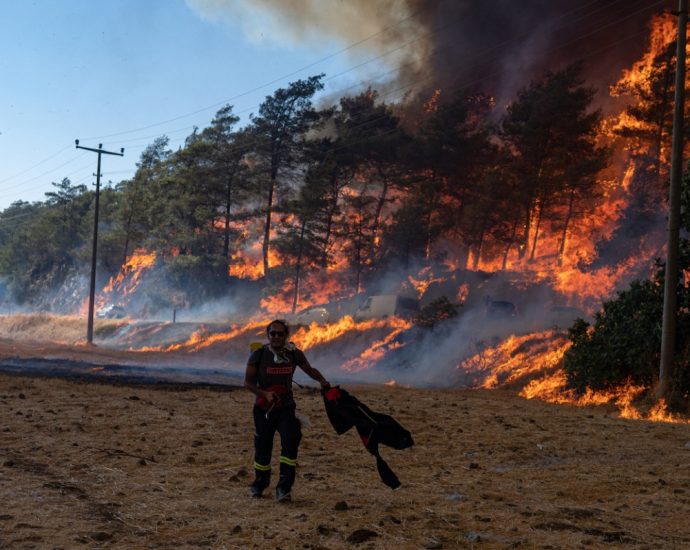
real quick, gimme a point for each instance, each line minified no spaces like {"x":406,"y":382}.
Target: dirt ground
{"x":95,"y":465}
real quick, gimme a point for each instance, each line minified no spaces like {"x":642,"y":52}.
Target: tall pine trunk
{"x":226,"y":229}
{"x":510,"y":242}
{"x":539,"y":206}
{"x":329,"y":221}
{"x":359,"y":245}
{"x":267,"y":227}
{"x":298,"y":268}
{"x":379,"y":208}
{"x":528,"y":214}
{"x":531,"y":202}
{"x":429,"y":217}
{"x":561,"y":247}
{"x":326,"y":240}
{"x":127,"y":232}
{"x":480,"y":243}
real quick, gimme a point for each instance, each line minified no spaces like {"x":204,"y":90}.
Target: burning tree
{"x":279,"y":129}
{"x":647,"y":121}
{"x":451,"y":155}
{"x":224,"y":150}
{"x":623,"y":344}
{"x":301,"y":241}
{"x":551,"y":134}
{"x":370,"y":174}
{"x":133,"y":215}
{"x":331,"y":171}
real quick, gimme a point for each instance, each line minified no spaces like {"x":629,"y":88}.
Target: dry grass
{"x":45,"y":327}
{"x":94,"y":465}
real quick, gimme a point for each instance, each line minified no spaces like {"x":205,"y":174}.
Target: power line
{"x":406,"y":88}
{"x":45,"y":173}
{"x":351,"y":46}
{"x":479,"y":59}
{"x":43,"y":184}
{"x":265,"y":85}
{"x":247,"y":92}
{"x":37,"y":164}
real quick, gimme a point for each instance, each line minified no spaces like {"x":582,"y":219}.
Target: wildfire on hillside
{"x":567,"y":263}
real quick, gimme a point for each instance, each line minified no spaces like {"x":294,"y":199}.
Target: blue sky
{"x":122,"y":72}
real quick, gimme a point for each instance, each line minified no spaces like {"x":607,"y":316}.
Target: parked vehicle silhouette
{"x":384,"y":305}
{"x":318,"y":315}
{"x":500,"y":309}
{"x":111,"y":311}
{"x":562,"y":317}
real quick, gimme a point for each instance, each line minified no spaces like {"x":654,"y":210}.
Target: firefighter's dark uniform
{"x":277,"y":377}
{"x":345,"y":411}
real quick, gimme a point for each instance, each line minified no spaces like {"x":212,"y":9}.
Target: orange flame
{"x":126,"y":282}
{"x":201,"y":339}
{"x":538,"y":357}
{"x":375,"y":353}
{"x":131,"y":271}
{"x":663,"y":31}
{"x":315,"y":335}
{"x":426,"y":278}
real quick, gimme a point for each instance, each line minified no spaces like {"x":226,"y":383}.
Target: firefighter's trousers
{"x":283,"y":421}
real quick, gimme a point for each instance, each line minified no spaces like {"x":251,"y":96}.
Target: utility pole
{"x":668,"y":331}
{"x":92,"y":289}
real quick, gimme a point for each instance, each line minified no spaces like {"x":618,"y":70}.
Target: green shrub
{"x":623,"y":344}
{"x":438,"y":310}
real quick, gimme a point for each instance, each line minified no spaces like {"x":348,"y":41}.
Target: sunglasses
{"x":275,"y":333}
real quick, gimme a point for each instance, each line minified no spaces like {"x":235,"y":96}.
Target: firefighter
{"x":269,"y":373}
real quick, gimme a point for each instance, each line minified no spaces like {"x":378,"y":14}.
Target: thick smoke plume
{"x":496,"y":47}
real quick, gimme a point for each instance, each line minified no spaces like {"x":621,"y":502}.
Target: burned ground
{"x":139,"y":466}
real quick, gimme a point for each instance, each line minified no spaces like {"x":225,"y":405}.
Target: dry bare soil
{"x":96,"y":465}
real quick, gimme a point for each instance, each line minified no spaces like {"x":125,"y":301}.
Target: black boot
{"x":287,"y":478}
{"x":262,"y":480}
{"x":282,"y":494}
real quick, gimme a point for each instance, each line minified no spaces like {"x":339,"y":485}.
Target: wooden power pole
{"x":668,"y":331}
{"x":92,"y":288}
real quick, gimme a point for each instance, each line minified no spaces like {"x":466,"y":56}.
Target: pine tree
{"x":280,"y":130}
{"x":551,"y":134}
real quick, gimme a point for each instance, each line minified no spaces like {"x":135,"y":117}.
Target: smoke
{"x":388,"y":30}
{"x":430,"y":357}
{"x":496,"y":47}
{"x":8,"y":302}
{"x":53,"y":294}
{"x":500,"y":46}
{"x":236,"y":308}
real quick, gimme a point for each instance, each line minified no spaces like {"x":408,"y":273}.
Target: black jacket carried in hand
{"x":345,"y":411}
